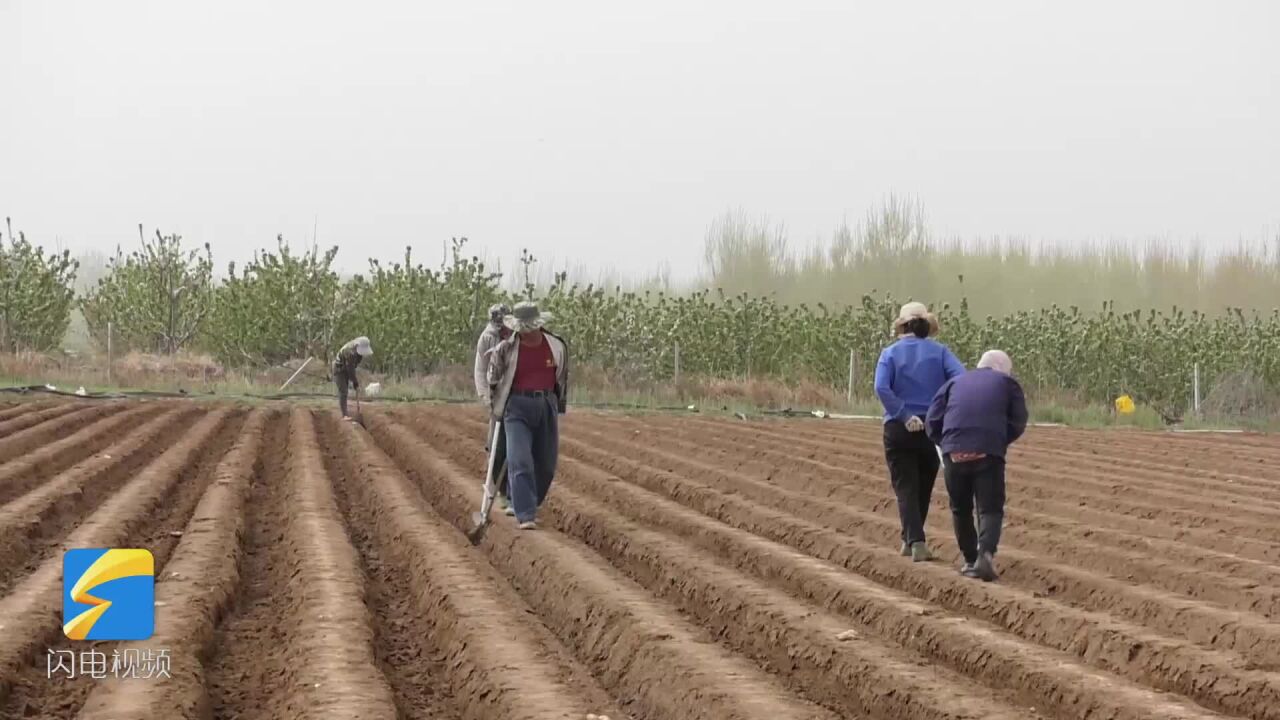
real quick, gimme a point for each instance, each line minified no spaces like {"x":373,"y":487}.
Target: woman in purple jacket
{"x":908,"y":375}
{"x":974,"y":419}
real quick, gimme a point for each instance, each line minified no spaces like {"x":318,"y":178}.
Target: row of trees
{"x":1095,"y":355}
{"x":286,"y":304}
{"x":892,"y":249}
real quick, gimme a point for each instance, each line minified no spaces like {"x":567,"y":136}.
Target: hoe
{"x":359,"y":416}
{"x":481,"y":519}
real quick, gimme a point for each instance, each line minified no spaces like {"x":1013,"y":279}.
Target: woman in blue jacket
{"x":910,"y":372}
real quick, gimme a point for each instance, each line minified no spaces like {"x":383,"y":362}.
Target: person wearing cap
{"x":974,"y":419}
{"x":344,"y":369}
{"x":909,"y":373}
{"x":528,"y":388}
{"x":494,"y":333}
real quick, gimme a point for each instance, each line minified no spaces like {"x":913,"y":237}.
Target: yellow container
{"x":1124,"y":405}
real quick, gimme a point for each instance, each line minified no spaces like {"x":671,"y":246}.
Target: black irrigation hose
{"x":24,"y":389}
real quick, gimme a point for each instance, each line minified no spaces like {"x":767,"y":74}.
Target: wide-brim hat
{"x":363,"y":348}
{"x":915,"y":311}
{"x":526,"y":316}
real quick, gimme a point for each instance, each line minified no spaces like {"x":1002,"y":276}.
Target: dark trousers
{"x":981,"y":480}
{"x":913,"y":470}
{"x":532,"y":426}
{"x":343,"y":381}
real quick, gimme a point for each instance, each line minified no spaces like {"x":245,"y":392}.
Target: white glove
{"x":914,"y":424}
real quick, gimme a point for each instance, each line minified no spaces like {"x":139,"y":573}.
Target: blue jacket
{"x":909,"y":374}
{"x":982,"y":411}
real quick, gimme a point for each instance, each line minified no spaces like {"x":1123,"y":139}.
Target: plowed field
{"x":684,"y":568}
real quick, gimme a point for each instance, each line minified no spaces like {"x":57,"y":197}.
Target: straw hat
{"x":915,"y":311}
{"x":526,"y":316}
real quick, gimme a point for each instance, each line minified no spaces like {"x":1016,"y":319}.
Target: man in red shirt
{"x":529,"y":377}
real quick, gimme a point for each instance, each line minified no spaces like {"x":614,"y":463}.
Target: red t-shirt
{"x":535,"y":368}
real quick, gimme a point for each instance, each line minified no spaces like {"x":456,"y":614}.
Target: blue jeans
{"x":532,"y":428}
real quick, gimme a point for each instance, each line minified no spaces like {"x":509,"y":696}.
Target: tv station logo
{"x":108,"y":594}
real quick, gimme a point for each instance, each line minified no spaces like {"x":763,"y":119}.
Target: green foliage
{"x":36,"y":295}
{"x":1148,"y":354}
{"x":1095,"y":356}
{"x":419,"y":318}
{"x":157,"y":298}
{"x":281,"y":305}
{"x":286,"y":305}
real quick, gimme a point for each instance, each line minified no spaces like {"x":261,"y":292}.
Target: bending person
{"x":529,"y":381}
{"x":344,"y":369}
{"x":910,"y":372}
{"x":975,"y":418}
{"x":494,"y":333}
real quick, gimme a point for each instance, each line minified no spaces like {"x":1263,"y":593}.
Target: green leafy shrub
{"x":36,"y":295}
{"x":157,"y":298}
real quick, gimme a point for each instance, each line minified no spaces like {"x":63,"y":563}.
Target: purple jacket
{"x":982,"y":411}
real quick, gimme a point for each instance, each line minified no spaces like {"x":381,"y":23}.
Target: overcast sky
{"x":612,"y":134}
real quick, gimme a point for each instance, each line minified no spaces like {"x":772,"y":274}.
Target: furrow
{"x":1233,"y":452}
{"x":417,"y":670}
{"x":31,"y":524}
{"x":22,"y":408}
{"x":194,"y":593}
{"x":1145,"y":465}
{"x":1252,"y":637}
{"x":329,"y":641}
{"x":1056,"y":681}
{"x":32,"y":468}
{"x":1032,"y":447}
{"x":1177,"y":567}
{"x":501,"y":662}
{"x":27,"y":420}
{"x":243,"y":669}
{"x":1214,"y":678}
{"x":31,"y":611}
{"x":1039,"y":485}
{"x":796,"y":641}
{"x":1219,"y":492}
{"x":61,"y":698}
{"x":640,"y":649}
{"x":1035,"y":472}
{"x":15,"y":445}
{"x":1119,"y":439}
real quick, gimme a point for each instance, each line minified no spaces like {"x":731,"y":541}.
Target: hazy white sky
{"x":613,"y":134}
